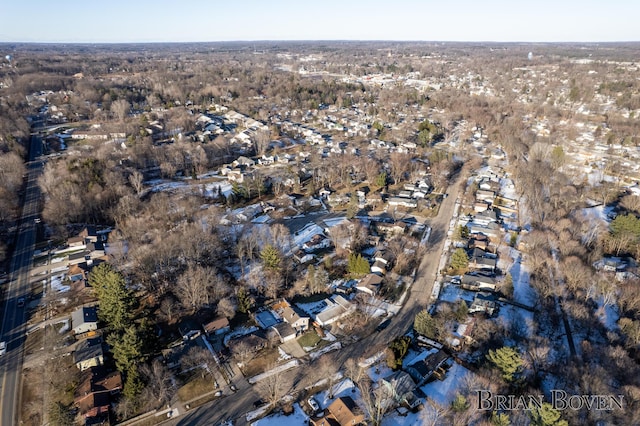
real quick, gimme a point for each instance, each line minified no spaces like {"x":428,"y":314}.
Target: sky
{"x":120,"y":21}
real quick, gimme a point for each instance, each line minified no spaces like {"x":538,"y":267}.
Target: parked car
{"x":20,"y":302}
{"x":3,"y":348}
{"x":313,"y":404}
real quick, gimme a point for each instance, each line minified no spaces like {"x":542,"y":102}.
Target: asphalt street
{"x":14,"y":316}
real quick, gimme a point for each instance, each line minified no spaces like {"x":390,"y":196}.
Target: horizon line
{"x":319,"y":41}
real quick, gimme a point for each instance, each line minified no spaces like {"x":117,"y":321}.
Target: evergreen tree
{"x":500,"y":419}
{"x":126,"y":348}
{"x":461,"y":311}
{"x":358,"y":266}
{"x":116,"y":300}
{"x":132,"y":385}
{"x":546,"y":416}
{"x":459,"y":260}
{"x":508,"y":360}
{"x":60,"y":415}
{"x":459,"y":404}
{"x":397,"y":350}
{"x":270,"y":257}
{"x":244,"y":301}
{"x":426,"y":325}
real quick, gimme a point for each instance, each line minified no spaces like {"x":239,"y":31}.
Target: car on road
{"x":3,"y":348}
{"x":258,"y":403}
{"x":384,"y":324}
{"x":20,"y":302}
{"x":313,"y":404}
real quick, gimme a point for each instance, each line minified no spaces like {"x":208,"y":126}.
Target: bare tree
{"x":135,"y":179}
{"x":376,"y":401}
{"x":120,"y":108}
{"x":193,"y":286}
{"x":261,"y":140}
{"x":243,"y":352}
{"x":433,"y":414}
{"x":159,"y":386}
{"x":273,"y":387}
{"x":227,"y":307}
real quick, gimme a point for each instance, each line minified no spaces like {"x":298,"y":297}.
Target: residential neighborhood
{"x":365,"y":234}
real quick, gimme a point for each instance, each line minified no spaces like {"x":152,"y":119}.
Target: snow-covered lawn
{"x":297,"y":418}
{"x":56,"y":284}
{"x":284,"y":367}
{"x":333,"y":347}
{"x":608,"y":316}
{"x":522,"y":291}
{"x":443,"y":392}
{"x":344,"y":388}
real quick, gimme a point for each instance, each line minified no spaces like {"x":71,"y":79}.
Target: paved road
{"x":236,"y":406}
{"x":13,"y":321}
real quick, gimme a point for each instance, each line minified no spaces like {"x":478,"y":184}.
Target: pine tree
{"x":126,"y":348}
{"x":459,"y":404}
{"x":546,"y":416}
{"x":426,"y":325}
{"x":116,"y":300}
{"x":132,"y":385}
{"x":508,"y":360}
{"x":461,"y":311}
{"x":244,"y":301}
{"x":459,"y":260}
{"x":270,"y":257}
{"x":358,"y":266}
{"x":500,"y":419}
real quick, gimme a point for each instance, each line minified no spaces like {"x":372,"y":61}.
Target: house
{"x":383,"y":256}
{"x":480,"y":259}
{"x":342,"y":412}
{"x":97,"y":380}
{"x":485,"y":218}
{"x":379,"y":267}
{"x":84,"y":319}
{"x":331,"y":310}
{"x":399,"y":388}
{"x":480,"y":206}
{"x":284,"y":331}
{"x":483,"y":302}
{"x":189,"y":330}
{"x":390,"y":229}
{"x":483,"y":195}
{"x":95,"y":404}
{"x":478,"y":282}
{"x":370,"y":284}
{"x":317,"y":242}
{"x":297,"y":320}
{"x":422,"y":370}
{"x":88,"y":354}
{"x":402,"y":202}
{"x":216,"y":327}
{"x":255,"y":342}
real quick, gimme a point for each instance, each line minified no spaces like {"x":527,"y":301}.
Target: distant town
{"x":355,"y":233}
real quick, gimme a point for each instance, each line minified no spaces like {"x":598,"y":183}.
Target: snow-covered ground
{"x":332,"y":347}
{"x":297,"y":418}
{"x":599,"y":212}
{"x":443,"y":392}
{"x":522,"y":291}
{"x":344,"y":388}
{"x":56,"y":284}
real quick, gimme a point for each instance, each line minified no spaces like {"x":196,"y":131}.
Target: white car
{"x":3,"y":348}
{"x":313,"y":404}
